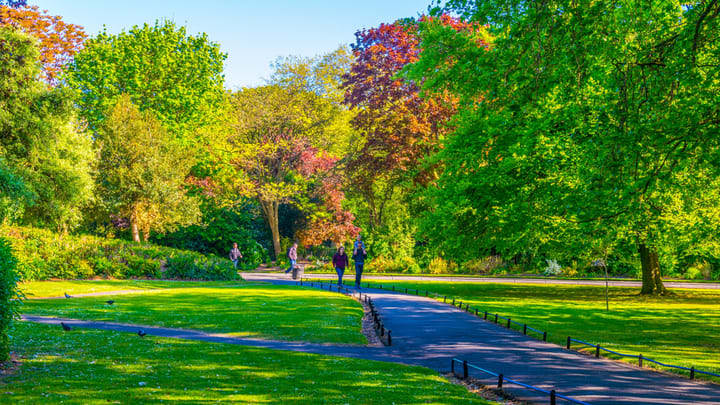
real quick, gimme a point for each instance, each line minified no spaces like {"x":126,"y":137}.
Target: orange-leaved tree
{"x":58,"y":40}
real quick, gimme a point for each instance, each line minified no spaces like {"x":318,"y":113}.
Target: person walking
{"x":359,"y":256}
{"x":358,"y":244}
{"x":235,"y":255}
{"x":340,"y":261}
{"x":292,"y":256}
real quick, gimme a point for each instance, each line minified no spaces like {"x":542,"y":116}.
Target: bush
{"x":438,"y":265}
{"x":384,"y":264}
{"x":487,"y":265}
{"x":8,"y":295}
{"x":44,"y":255}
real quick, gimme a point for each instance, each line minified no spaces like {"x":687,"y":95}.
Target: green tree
{"x":142,"y":171}
{"x":163,"y":69}
{"x":588,"y":126}
{"x":44,"y":154}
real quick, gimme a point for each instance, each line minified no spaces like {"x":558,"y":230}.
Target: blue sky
{"x":253,"y":33}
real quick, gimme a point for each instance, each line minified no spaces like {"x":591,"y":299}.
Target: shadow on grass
{"x":92,"y":366}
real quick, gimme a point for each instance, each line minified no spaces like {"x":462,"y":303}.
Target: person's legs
{"x":292,"y":264}
{"x":340,"y":273}
{"x":235,"y":263}
{"x":358,"y":273}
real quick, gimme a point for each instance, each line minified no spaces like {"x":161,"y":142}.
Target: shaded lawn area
{"x":94,"y":367}
{"x":250,"y":310}
{"x":58,"y":288}
{"x":681,"y":329}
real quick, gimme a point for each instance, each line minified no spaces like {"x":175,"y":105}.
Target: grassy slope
{"x":680,"y":329}
{"x":258,"y":310}
{"x":98,"y":367}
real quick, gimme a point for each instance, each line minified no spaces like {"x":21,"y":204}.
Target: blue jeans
{"x":358,"y":273}
{"x":340,"y":273}
{"x":292,"y":264}
{"x":235,"y":262}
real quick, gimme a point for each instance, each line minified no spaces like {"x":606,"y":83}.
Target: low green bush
{"x":8,"y":295}
{"x":43,"y":255}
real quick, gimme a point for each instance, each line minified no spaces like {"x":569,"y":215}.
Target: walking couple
{"x":340,"y":260}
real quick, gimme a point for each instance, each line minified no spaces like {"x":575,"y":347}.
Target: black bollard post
{"x":692,"y":372}
{"x":465,"y":369}
{"x":524,"y":329}
{"x":476,"y":312}
{"x":453,"y":304}
{"x":389,"y":339}
{"x":426,"y":293}
{"x":405,"y":290}
{"x":452,"y":366}
{"x":496,"y":317}
{"x":508,"y":323}
{"x":568,"y":343}
{"x":500,"y":381}
{"x":640,"y":360}
{"x":552,"y":397}
{"x":545,"y":336}
{"x":597,"y":351}
{"x":485,"y":316}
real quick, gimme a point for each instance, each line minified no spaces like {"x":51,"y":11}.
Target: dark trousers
{"x":358,"y":273}
{"x":340,"y":273}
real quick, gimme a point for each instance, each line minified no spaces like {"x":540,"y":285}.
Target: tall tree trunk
{"x":134,"y":228}
{"x":270,"y":209}
{"x":651,"y":278}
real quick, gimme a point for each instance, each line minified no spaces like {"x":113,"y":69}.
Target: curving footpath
{"x":429,"y":333}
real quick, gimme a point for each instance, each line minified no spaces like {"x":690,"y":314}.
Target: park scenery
{"x":473,"y":202}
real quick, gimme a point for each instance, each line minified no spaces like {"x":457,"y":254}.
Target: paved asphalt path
{"x":611,"y":283}
{"x":429,"y":333}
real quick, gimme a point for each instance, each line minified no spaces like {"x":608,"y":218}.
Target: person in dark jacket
{"x":235,"y":255}
{"x":340,"y":261}
{"x":359,"y":256}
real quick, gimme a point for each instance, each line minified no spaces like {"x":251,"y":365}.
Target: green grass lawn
{"x":681,"y":329}
{"x":58,"y":288}
{"x":250,"y":310}
{"x":100,"y":367}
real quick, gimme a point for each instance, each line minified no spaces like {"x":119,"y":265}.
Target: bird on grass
{"x":65,"y":327}
{"x":68,"y":295}
{"x":141,"y":333}
{"x":110,"y":302}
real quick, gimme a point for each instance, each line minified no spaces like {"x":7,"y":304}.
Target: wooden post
{"x":640,"y":360}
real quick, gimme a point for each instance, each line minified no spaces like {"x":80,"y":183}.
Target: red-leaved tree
{"x":399,"y":127}
{"x":58,"y":40}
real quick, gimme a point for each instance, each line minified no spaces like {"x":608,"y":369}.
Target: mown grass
{"x":100,"y":367}
{"x":680,"y":329}
{"x":35,"y":289}
{"x":251,"y":310}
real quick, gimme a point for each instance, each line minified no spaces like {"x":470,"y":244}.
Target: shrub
{"x":553,"y":268}
{"x":44,"y":255}
{"x":438,"y":265}
{"x":8,"y":295}
{"x":486,"y":265}
{"x":384,"y":264}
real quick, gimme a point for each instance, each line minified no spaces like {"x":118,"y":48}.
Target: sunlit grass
{"x":254,"y":310}
{"x":680,"y":329}
{"x":58,"y":288}
{"x":100,"y":367}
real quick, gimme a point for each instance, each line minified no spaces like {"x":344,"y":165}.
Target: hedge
{"x":43,"y":255}
{"x":8,"y":282}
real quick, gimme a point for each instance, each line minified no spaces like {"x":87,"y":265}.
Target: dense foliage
{"x":8,"y":294}
{"x":43,"y":154}
{"x":44,"y":255}
{"x":587,"y":128}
